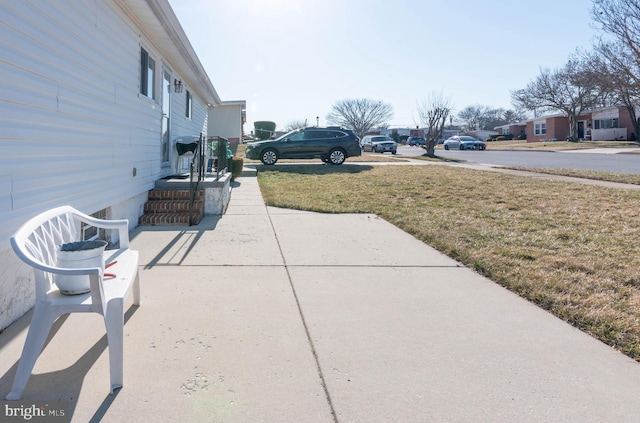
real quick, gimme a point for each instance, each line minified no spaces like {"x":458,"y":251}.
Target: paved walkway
{"x":272,"y":315}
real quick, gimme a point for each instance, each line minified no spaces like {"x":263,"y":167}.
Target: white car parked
{"x":464,"y":142}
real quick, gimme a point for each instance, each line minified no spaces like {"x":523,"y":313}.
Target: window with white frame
{"x":605,"y":123}
{"x":147,"y":74}
{"x":540,"y":128}
{"x":189,"y":102}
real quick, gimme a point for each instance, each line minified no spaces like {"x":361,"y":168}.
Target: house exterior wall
{"x":626,"y":122}
{"x":182,"y":125}
{"x":226,"y":121}
{"x":75,"y":128}
{"x":531,"y":135}
{"x":518,"y":131}
{"x":622,"y":131}
{"x":558,"y":128}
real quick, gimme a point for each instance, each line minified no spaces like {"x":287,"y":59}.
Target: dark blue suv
{"x":331,"y":144}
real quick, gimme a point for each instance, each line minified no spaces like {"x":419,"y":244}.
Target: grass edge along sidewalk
{"x":569,"y":248}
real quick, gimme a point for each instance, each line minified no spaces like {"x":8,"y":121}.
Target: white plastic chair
{"x":35,"y":244}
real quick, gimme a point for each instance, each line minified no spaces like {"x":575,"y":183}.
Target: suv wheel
{"x":269,"y":156}
{"x":337,"y":156}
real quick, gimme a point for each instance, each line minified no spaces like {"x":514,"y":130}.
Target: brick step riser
{"x":179,"y":206}
{"x":175,"y":195}
{"x":160,"y":219}
{"x":171,"y":207}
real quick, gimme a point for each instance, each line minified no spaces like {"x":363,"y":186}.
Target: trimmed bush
{"x":264,"y":129}
{"x":236,"y":167}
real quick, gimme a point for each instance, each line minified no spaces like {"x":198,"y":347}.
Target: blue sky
{"x":293,"y":59}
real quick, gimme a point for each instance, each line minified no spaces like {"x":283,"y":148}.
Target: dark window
{"x":605,"y":123}
{"x":189,"y":105}
{"x":298,"y":136}
{"x":91,"y":232}
{"x":316,"y":135}
{"x":147,"y":74}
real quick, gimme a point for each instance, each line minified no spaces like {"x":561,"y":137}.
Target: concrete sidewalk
{"x":273,"y":315}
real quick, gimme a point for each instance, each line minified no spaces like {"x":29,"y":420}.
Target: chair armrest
{"x":62,"y":270}
{"x":121,"y":225}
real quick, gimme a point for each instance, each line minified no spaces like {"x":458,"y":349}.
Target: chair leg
{"x":41,"y":322}
{"x":114,"y":322}
{"x":136,"y":289}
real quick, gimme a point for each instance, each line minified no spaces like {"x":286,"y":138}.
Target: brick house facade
{"x":605,"y":124}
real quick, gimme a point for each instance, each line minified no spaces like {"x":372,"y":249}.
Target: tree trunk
{"x":431,"y":148}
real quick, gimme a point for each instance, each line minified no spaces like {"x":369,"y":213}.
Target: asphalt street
{"x":598,"y":160}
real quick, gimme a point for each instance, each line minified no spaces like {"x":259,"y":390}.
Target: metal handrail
{"x":196,"y":174}
{"x":221,"y":161}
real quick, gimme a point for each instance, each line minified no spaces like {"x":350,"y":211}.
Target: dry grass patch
{"x":558,"y":145}
{"x":623,"y":178}
{"x":570,"y":248}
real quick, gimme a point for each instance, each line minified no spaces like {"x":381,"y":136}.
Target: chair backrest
{"x":35,"y":242}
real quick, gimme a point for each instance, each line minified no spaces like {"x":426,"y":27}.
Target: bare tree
{"x":570,"y":90}
{"x":472,"y":116}
{"x":433,"y":113}
{"x":620,"y":18}
{"x":295,"y":124}
{"x":483,"y":117}
{"x":514,"y":116}
{"x":618,"y":75}
{"x":617,"y":61}
{"x":360,"y":115}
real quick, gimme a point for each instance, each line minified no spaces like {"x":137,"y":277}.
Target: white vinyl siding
{"x":77,"y":127}
{"x":182,"y":125}
{"x":74,"y":125}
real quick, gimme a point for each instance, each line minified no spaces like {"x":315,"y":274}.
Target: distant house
{"x":604,"y":124}
{"x":516,"y":130}
{"x":227,"y":119}
{"x":611,"y":123}
{"x":93,"y":96}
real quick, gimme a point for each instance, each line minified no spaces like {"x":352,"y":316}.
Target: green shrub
{"x":236,"y":167}
{"x":501,"y":138}
{"x":264,"y":129}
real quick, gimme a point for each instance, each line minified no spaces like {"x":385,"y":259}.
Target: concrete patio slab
{"x":443,"y":344}
{"x":324,"y":239}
